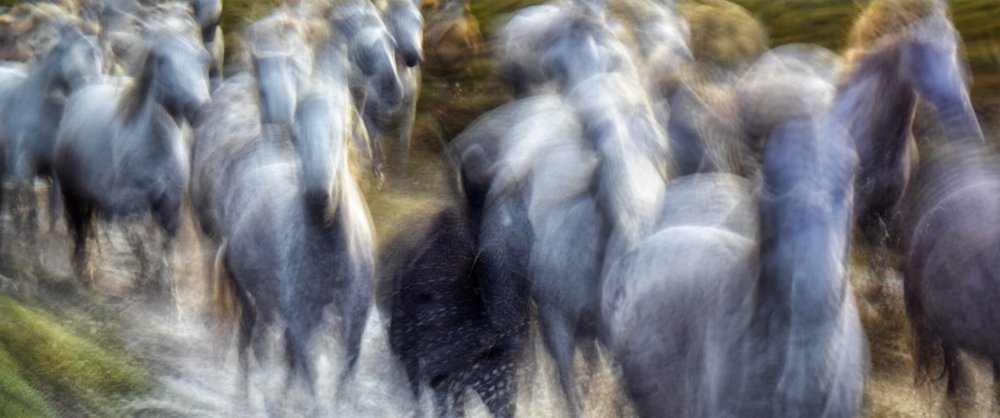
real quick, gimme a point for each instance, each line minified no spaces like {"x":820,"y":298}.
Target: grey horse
{"x":120,"y":152}
{"x":31,"y":105}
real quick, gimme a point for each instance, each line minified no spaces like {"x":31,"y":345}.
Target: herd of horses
{"x":691,"y":217}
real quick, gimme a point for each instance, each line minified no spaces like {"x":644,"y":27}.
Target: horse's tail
{"x":226,"y":307}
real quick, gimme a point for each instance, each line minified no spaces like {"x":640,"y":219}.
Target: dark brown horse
{"x":900,"y":52}
{"x":952,"y":278}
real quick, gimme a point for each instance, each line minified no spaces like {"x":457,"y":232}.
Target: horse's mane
{"x":171,"y":19}
{"x":160,"y":24}
{"x":131,"y":98}
{"x":882,"y":23}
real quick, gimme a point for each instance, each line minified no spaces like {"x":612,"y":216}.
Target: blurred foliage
{"x":45,"y":366}
{"x":827,"y":22}
{"x":450,"y":101}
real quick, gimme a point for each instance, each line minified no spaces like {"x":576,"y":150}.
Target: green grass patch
{"x":17,"y":397}
{"x":80,"y":376}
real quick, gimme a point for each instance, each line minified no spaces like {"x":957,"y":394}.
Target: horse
{"x":658,"y":38}
{"x":580,"y":165}
{"x":551,"y":47}
{"x":441,"y":325}
{"x":790,"y":81}
{"x":701,"y":116}
{"x":747,"y":323}
{"x":120,"y":152}
{"x":375,"y":83}
{"x":950,"y":276}
{"x":282,"y":63}
{"x":123,"y":24}
{"x":899,"y":53}
{"x":406,"y":25}
{"x":31,"y":105}
{"x":296,"y":234}
{"x":208,"y":14}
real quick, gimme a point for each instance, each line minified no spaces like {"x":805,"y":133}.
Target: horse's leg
{"x":559,"y":338}
{"x":244,"y":330}
{"x":31,"y":223}
{"x":959,"y":381}
{"x":135,"y":243}
{"x":996,"y":385}
{"x":499,"y":386}
{"x":168,"y":210}
{"x":370,"y":118}
{"x":2,"y":201}
{"x":406,"y":132}
{"x":354,"y":313}
{"x":78,"y":217}
{"x":442,"y":395}
{"x":592,"y":358}
{"x":55,"y":203}
{"x":298,"y":358}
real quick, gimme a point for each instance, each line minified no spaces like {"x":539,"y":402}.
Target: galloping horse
{"x":951,"y":241}
{"x":777,"y":335}
{"x":375,"y":83}
{"x":900,"y":51}
{"x":406,"y":25}
{"x":121,"y":152}
{"x":296,"y":236}
{"x":31,"y":105}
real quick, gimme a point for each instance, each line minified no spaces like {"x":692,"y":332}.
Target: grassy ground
{"x":60,"y":365}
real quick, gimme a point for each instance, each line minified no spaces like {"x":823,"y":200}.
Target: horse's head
{"x":281,"y":63}
{"x":321,"y":121}
{"x":579,"y":46}
{"x":373,"y":52}
{"x":371,"y":49}
{"x":406,"y":25}
{"x":207,"y":13}
{"x":77,"y":59}
{"x":276,"y":86}
{"x":930,"y":60}
{"x":178,"y":70}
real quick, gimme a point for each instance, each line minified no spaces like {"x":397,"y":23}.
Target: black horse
{"x":441,"y":310}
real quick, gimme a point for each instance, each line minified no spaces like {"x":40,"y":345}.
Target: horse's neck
{"x":630,"y":189}
{"x":150,"y":127}
{"x":42,"y":80}
{"x":877,"y":106}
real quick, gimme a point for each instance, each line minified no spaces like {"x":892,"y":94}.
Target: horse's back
{"x":679,"y":307}
{"x":711,"y":199}
{"x":952,"y":248}
{"x":223,"y":132}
